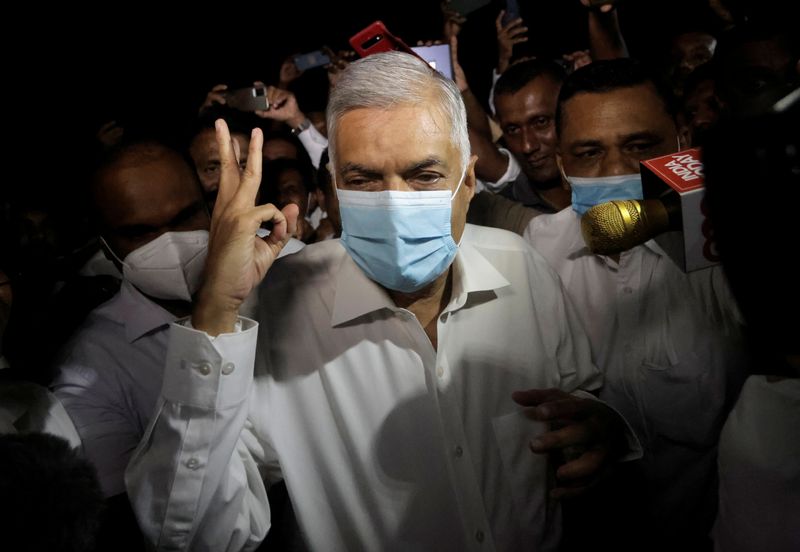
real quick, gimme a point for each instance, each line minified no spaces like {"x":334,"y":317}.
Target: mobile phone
{"x":438,"y":57}
{"x":512,"y":12}
{"x":376,"y":38}
{"x":310,"y":60}
{"x":253,"y":98}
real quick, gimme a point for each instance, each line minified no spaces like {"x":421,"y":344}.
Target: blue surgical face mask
{"x":588,"y":192}
{"x":401,"y":240}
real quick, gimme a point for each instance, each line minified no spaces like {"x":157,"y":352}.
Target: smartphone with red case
{"x":376,"y":38}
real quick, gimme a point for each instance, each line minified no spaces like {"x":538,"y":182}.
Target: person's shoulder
{"x":486,"y":237}
{"x":554,"y":223}
{"x":314,"y":261}
{"x":507,"y":250}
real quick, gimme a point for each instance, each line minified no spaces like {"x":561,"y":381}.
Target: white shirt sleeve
{"x":194,"y":481}
{"x":511,"y":174}
{"x":495,"y":78}
{"x":315,"y":144}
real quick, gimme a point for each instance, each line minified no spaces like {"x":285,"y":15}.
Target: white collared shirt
{"x":109,"y":379}
{"x":26,"y":407}
{"x":315,"y":144}
{"x":110,"y":375}
{"x":669,"y":346}
{"x":385,"y":443}
{"x":759,"y":469}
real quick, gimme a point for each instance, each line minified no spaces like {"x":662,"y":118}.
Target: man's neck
{"x":427,"y":303}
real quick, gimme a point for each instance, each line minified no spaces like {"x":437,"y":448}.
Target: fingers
{"x":535,"y":397}
{"x":219,"y":87}
{"x":569,"y":408}
{"x":284,"y":224}
{"x":498,"y":23}
{"x":585,"y":466}
{"x":251,"y":176}
{"x":277,"y":98}
{"x":229,"y":177}
{"x":576,"y":434}
{"x":581,"y":474}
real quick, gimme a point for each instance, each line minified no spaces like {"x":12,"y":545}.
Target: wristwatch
{"x":301,"y":127}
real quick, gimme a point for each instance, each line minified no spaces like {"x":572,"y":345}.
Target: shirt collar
{"x":137,"y":313}
{"x":357,"y":295}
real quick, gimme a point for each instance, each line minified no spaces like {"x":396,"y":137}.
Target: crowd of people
{"x":381,"y":327}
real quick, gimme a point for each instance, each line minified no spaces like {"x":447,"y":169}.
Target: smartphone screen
{"x":438,"y":57}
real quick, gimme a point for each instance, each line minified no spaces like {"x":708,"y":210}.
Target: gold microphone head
{"x":614,"y":227}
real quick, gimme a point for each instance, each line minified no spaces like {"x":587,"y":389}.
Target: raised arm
{"x":605,"y":35}
{"x":195,"y":480}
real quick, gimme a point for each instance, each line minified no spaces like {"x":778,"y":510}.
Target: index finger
{"x":229,"y":167}
{"x":498,"y":23}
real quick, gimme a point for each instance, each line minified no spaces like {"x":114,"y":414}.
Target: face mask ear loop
{"x":463,"y":175}
{"x":460,"y":182}
{"x":113,"y":254}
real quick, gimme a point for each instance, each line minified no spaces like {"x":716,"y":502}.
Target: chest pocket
{"x":681,"y":384}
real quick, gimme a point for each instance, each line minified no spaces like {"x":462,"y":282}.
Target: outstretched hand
{"x":237,"y":259}
{"x":587,"y":433}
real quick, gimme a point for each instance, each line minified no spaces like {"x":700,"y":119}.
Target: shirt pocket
{"x":682,"y":401}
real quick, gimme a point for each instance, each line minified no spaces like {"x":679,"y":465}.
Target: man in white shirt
{"x":383,"y":377}
{"x":668,"y":342}
{"x":110,"y":372}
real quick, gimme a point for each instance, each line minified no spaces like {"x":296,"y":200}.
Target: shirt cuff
{"x":315,"y":144}
{"x":633,"y":448}
{"x":210,"y":373}
{"x":511,"y":174}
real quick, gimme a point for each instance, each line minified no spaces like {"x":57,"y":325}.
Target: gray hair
{"x":390,"y":79}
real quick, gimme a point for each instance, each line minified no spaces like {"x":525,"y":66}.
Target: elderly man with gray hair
{"x":378,"y":382}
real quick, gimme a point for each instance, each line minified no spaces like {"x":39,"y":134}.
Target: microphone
{"x":673,"y":214}
{"x":617,"y":226}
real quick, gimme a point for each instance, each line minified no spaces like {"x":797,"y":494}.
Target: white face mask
{"x":169,"y":267}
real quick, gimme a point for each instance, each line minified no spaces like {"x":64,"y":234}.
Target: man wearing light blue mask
{"x":385,"y":362}
{"x":668,"y":342}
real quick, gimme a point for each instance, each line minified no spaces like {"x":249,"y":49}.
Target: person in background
{"x":668,"y":342}
{"x":759,"y":472}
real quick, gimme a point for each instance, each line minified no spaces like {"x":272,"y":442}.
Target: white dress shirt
{"x":759,"y":470}
{"x":315,"y":144}
{"x":110,"y":376}
{"x":29,"y":408}
{"x":109,"y":379}
{"x":669,"y":346}
{"x":385,"y":443}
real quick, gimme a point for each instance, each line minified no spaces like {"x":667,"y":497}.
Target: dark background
{"x":69,"y":69}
